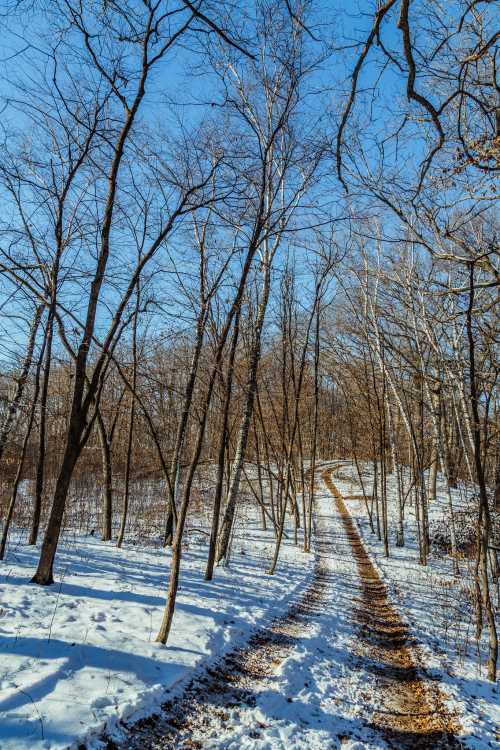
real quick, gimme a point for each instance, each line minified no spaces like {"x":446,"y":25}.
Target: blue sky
{"x":183,"y":91}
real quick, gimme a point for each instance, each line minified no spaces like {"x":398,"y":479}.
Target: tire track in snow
{"x":409,"y":711}
{"x":210,"y":702}
{"x":219,"y":707}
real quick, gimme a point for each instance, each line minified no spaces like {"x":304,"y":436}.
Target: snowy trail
{"x":206,"y":713}
{"x":412,"y":714}
{"x":319,"y":678}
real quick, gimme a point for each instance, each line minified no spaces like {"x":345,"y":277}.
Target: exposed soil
{"x":202,"y":708}
{"x":413,"y":714}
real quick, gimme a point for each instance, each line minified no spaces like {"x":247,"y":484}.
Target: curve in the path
{"x":409,"y":710}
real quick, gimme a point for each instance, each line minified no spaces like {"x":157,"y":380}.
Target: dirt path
{"x":210,"y":702}
{"x":222,"y":703}
{"x":413,"y":715}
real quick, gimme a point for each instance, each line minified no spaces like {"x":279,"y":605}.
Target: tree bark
{"x":239,"y":457}
{"x":40,"y":469}
{"x":107,"y":477}
{"x":484,"y":525}
{"x":221,"y":455}
{"x":21,"y":381}
{"x":19,"y":474}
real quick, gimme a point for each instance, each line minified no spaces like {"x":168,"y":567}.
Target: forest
{"x":249,"y":374}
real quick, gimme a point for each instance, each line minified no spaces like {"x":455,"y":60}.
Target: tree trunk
{"x":314,"y":447}
{"x":15,"y":488}
{"x":128,"y":465}
{"x":21,"y":382}
{"x":45,"y":571}
{"x":400,"y":532}
{"x":107,"y":478}
{"x":175,"y":468}
{"x":484,"y":526}
{"x":241,"y":445}
{"x":40,"y":469}
{"x":222,"y":450}
{"x":131,"y":421}
{"x":433,"y":472}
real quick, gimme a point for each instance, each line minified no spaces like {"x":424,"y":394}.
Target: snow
{"x":436,"y":606}
{"x":316,"y":700}
{"x":80,"y":655}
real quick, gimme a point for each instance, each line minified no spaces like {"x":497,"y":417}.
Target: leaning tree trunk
{"x":175,"y":467}
{"x":173,"y":585}
{"x":181,"y":520}
{"x":314,"y":446}
{"x":44,"y":575}
{"x":40,"y":468}
{"x":239,"y":457}
{"x":484,"y":510}
{"x":15,"y":488}
{"x":291,"y":441}
{"x":21,"y":382}
{"x":131,"y":422}
{"x":222,"y":450}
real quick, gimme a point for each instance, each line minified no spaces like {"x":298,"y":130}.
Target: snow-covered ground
{"x":322,"y":695}
{"x":81,"y":655}
{"x":317,"y":697}
{"x":436,"y":605}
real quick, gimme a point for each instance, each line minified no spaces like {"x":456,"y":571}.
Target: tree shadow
{"x":74,"y":658}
